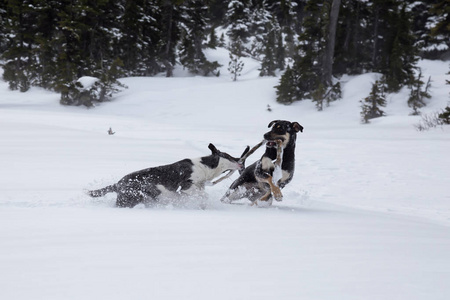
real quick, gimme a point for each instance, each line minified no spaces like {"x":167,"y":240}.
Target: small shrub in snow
{"x":429,"y":121}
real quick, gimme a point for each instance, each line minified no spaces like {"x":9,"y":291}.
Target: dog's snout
{"x":268,"y":135}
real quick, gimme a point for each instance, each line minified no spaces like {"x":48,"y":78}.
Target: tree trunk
{"x":375,"y":37}
{"x":167,"y":52}
{"x":331,"y":40}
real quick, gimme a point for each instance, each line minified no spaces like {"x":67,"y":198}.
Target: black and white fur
{"x":253,"y":181}
{"x":185,"y":177}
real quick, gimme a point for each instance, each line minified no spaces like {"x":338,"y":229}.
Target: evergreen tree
{"x":440,"y":30}
{"x":20,"y":30}
{"x":444,"y":116}
{"x":287,"y":89}
{"x":216,"y":11}
{"x":398,"y":67}
{"x":269,"y":63}
{"x":308,"y":65}
{"x":280,"y":53}
{"x":194,"y":33}
{"x":238,"y":19}
{"x":417,"y":96}
{"x":170,"y":34}
{"x":3,"y":23}
{"x":289,"y":15}
{"x":213,"y":41}
{"x":235,"y":66}
{"x":372,"y":103}
{"x":353,"y":52}
{"x":423,"y":19}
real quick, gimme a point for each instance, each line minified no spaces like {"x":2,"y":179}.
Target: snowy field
{"x":367,"y":215}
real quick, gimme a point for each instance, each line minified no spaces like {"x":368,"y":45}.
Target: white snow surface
{"x":366,"y":216}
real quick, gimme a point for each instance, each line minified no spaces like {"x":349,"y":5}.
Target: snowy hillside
{"x":367,"y":215}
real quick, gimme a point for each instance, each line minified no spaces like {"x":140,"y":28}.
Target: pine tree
{"x":261,"y":24}
{"x":20,"y":30}
{"x":3,"y":24}
{"x":440,"y":30}
{"x":399,"y":66}
{"x":286,"y":91}
{"x":213,"y":42}
{"x":140,"y":37}
{"x":170,"y":34}
{"x":238,"y":19}
{"x":289,"y":15}
{"x":423,"y":18}
{"x":235,"y":66}
{"x":353,"y":52}
{"x":269,"y":63}
{"x":216,"y":11}
{"x":444,"y":116}
{"x":308,"y":62}
{"x":372,"y":103}
{"x":417,"y":96}
{"x":194,"y":33}
{"x":280,"y":53}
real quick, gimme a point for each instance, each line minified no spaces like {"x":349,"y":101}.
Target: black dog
{"x":263,"y":179}
{"x":185,"y":177}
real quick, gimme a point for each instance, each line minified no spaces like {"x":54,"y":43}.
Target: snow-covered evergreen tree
{"x":238,"y":20}
{"x":193,"y":35}
{"x":440,"y":29}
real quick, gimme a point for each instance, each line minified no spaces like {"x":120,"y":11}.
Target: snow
{"x":366,"y":216}
{"x":87,"y":81}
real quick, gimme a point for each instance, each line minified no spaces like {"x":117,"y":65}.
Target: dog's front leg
{"x":277,"y":173}
{"x":275,"y":190}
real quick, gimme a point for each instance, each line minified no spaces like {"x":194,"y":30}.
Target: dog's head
{"x":226,"y":161}
{"x":282,"y":130}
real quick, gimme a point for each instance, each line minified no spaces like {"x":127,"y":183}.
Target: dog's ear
{"x":297,"y":127}
{"x":213,"y":148}
{"x":271,"y":123}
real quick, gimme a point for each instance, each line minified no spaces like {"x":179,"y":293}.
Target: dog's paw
{"x":279,"y":198}
{"x":276,"y":193}
{"x":263,"y":203}
{"x":225,"y":199}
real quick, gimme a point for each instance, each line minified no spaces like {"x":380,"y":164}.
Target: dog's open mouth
{"x":273,"y":143}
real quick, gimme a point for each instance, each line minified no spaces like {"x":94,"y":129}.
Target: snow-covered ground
{"x":367,"y":215}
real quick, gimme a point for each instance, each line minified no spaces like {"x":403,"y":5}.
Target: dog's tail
{"x":103,"y":191}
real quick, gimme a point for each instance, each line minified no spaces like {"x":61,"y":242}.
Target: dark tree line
{"x":52,"y":43}
{"x":385,"y":36}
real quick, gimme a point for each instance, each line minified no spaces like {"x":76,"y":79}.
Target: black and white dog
{"x":263,"y":179}
{"x":185,"y":177}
